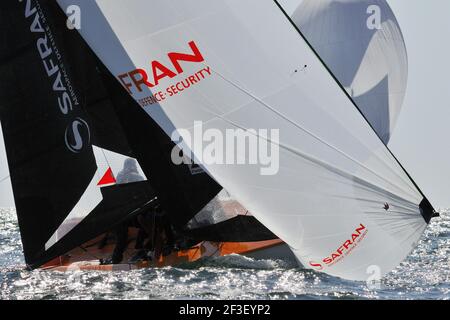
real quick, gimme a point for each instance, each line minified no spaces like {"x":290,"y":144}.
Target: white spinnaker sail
{"x":362,"y":43}
{"x":340,"y":199}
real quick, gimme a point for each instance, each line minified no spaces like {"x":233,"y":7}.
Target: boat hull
{"x":89,"y":255}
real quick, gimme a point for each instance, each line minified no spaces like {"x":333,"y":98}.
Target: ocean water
{"x":424,"y":275}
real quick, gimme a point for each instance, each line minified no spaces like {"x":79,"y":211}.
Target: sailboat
{"x":115,"y":148}
{"x":68,"y":128}
{"x":341,"y":200}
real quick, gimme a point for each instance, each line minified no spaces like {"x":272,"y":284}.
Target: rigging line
{"x":106,"y":158}
{"x":346,"y":93}
{"x":5,"y":178}
{"x":317,"y":161}
{"x":308,"y":132}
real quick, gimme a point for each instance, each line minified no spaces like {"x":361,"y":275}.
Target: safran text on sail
{"x":136,"y":81}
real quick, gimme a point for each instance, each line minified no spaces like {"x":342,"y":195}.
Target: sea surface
{"x":424,"y":275}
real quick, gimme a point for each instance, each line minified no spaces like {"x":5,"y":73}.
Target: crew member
{"x":128,"y":174}
{"x":160,"y":237}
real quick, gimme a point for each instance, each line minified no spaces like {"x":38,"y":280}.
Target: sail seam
{"x":301,"y":128}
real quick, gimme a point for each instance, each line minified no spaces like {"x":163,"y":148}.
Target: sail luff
{"x":429,"y":213}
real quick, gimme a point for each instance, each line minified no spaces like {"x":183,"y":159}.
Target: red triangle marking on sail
{"x":108,"y":178}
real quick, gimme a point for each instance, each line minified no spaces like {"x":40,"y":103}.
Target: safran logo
{"x":140,"y":80}
{"x":77,"y":135}
{"x":316,"y":265}
{"x":344,"y":249}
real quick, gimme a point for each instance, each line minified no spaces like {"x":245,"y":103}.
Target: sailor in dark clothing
{"x":169,"y":236}
{"x":160,"y":237}
{"x":144,"y":241}
{"x":164,"y":239}
{"x":121,"y":238}
{"x":128,"y":174}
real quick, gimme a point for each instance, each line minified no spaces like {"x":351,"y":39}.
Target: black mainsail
{"x":57,"y":101}
{"x":48,"y":133}
{"x":34,"y":127}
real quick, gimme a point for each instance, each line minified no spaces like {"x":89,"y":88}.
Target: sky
{"x":421,"y":140}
